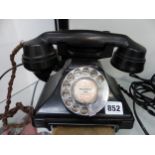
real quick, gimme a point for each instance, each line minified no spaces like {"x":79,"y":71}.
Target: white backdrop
{"x":11,"y":33}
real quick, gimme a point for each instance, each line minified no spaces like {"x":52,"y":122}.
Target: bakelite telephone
{"x":80,"y":92}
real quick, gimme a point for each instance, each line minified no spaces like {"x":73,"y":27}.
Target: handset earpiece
{"x":40,"y":58}
{"x":128,"y":60}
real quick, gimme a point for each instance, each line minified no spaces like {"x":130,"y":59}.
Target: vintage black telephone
{"x":81,"y":92}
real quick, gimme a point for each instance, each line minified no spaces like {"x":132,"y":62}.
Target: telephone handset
{"x":40,"y":55}
{"x":81,"y":92}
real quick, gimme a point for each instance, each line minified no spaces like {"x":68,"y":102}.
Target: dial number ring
{"x":95,"y":92}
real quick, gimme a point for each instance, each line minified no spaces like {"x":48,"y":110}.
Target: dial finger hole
{"x":77,"y":71}
{"x":70,"y":76}
{"x":75,"y":108}
{"x":86,"y":70}
{"x":66,"y":93}
{"x":68,"y":102}
{"x":66,"y":84}
{"x":84,"y":110}
{"x":100,"y":79}
{"x":93,"y":73}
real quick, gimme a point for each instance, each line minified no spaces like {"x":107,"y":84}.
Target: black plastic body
{"x":40,"y":56}
{"x":50,"y":109}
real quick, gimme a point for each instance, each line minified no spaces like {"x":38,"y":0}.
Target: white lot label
{"x":114,"y":108}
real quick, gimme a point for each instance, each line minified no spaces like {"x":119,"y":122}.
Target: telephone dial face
{"x":84,"y":91}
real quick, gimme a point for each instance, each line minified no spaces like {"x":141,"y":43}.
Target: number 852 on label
{"x":114,"y":108}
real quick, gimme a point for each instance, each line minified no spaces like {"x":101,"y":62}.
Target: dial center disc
{"x":85,"y":91}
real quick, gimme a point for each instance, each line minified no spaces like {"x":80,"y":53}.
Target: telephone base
{"x":66,"y":118}
{"x":50,"y":110}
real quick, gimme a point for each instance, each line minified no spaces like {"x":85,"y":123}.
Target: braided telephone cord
{"x":19,"y":106}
